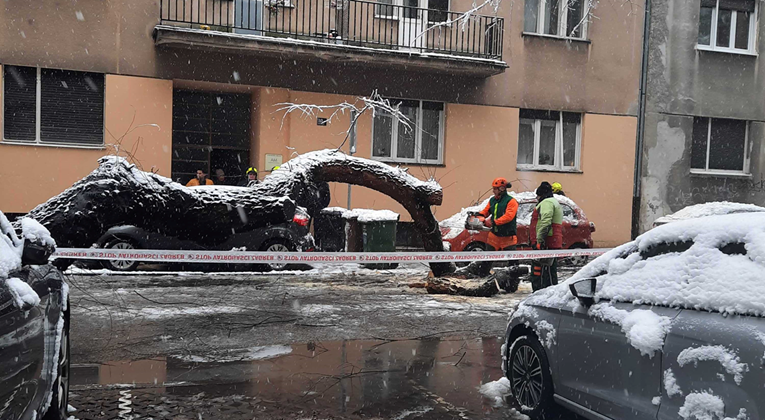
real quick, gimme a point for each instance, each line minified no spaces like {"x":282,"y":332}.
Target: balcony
{"x":358,"y":31}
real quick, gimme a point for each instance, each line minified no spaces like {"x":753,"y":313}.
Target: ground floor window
{"x":549,"y":140}
{"x":422,"y":142}
{"x":50,"y":106}
{"x":719,"y":145}
{"x":211,"y":131}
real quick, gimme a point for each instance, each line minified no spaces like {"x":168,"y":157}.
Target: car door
{"x":720,"y":356}
{"x":598,"y":366}
{"x":22,"y":344}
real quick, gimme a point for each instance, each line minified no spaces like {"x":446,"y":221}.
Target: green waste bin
{"x":378,"y":229}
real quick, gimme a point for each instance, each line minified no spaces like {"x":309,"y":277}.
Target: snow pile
{"x":496,"y":391}
{"x":727,"y":358}
{"x":417,"y":412}
{"x":702,"y":406}
{"x":23,"y":294}
{"x":368,"y":215}
{"x":670,"y":384}
{"x":242,"y":355}
{"x":457,"y":221}
{"x":708,"y":209}
{"x":35,"y":232}
{"x":696,"y":278}
{"x":644,"y":329}
{"x":11,"y":248}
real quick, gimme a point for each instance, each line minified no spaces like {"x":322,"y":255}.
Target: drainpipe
{"x":352,"y":146}
{"x":636,"y":197}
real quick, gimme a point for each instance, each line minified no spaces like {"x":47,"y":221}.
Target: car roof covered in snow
{"x":714,"y":263}
{"x":716,"y":208}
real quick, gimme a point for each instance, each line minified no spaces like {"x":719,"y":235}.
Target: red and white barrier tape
{"x":246,"y":257}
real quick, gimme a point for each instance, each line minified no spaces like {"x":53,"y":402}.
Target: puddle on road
{"x":344,"y":378}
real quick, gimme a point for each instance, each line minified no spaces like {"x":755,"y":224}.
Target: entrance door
{"x":411,"y":26}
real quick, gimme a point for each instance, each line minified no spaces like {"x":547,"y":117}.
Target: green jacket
{"x":550,"y":214}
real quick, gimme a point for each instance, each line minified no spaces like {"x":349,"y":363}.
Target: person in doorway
{"x":546,"y":232}
{"x":220,"y":177}
{"x":200,"y":179}
{"x":251,"y":177}
{"x":499,"y":215}
{"x":558,"y":189}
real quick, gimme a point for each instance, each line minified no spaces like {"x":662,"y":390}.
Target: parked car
{"x":708,"y":209}
{"x":577,"y":229}
{"x":119,"y":206}
{"x":668,"y":326}
{"x":283,"y":237}
{"x":34,"y":326}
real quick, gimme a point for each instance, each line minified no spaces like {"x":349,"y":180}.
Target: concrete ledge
{"x":177,"y":37}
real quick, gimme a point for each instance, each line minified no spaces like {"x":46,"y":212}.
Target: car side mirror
{"x":35,"y":253}
{"x":584,"y":290}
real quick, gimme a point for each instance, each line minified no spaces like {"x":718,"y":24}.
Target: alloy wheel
{"x":122,"y":264}
{"x":526,"y":377}
{"x":277,"y":247}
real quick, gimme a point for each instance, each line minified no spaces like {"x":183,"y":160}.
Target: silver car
{"x":669,"y":326}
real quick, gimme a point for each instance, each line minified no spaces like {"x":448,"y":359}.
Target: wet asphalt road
{"x":325,"y":343}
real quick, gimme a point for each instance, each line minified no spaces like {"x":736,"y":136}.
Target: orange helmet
{"x":500,"y":182}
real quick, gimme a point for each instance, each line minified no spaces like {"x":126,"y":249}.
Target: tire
{"x":577,"y":261}
{"x":530,"y":380}
{"x":278,"y":245}
{"x":120,"y":265}
{"x":59,"y":404}
{"x":472,"y":247}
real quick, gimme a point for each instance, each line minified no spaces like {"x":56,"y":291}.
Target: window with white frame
{"x":727,"y":25}
{"x":549,"y":140}
{"x":48,"y":106}
{"x":564,"y":18}
{"x":720,"y":146}
{"x":421,"y":142}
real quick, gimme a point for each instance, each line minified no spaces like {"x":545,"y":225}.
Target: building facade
{"x":534,"y":92}
{"x":705,"y":108}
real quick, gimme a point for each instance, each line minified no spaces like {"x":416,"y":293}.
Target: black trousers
{"x":544,"y":273}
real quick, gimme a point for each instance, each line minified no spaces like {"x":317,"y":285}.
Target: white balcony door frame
{"x":411,"y":24}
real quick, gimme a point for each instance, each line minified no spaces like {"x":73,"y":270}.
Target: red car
{"x":577,"y":230}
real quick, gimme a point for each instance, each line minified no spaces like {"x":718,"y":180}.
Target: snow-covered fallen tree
{"x":118,"y":193}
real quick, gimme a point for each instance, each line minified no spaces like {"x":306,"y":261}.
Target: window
{"x":564,"y":18}
{"x":385,"y":9}
{"x":421,"y":143}
{"x":46,"y":106}
{"x":719,"y":145}
{"x":438,"y":11}
{"x":727,"y":25}
{"x":549,"y":140}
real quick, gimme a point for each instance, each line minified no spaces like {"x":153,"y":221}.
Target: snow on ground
{"x":238,"y":355}
{"x":164,"y":312}
{"x":726,"y":357}
{"x":708,"y":209}
{"x":497,"y":391}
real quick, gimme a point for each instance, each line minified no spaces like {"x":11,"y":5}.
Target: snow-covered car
{"x":34,"y":326}
{"x":708,"y":209}
{"x":119,"y":206}
{"x":668,"y":326}
{"x":577,"y":229}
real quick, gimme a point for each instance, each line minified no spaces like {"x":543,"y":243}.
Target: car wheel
{"x":472,"y":247}
{"x":59,"y":404}
{"x":278,"y":245}
{"x":577,"y":261}
{"x":121,"y":244}
{"x":530,"y":381}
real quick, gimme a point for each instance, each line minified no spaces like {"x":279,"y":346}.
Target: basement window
{"x":57,"y":107}
{"x":719,"y":146}
{"x":727,"y":25}
{"x":549,"y":140}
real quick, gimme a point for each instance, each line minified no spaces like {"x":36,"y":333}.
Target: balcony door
{"x":411,"y":26}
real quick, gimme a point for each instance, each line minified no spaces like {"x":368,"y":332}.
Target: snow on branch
{"x":463,"y":18}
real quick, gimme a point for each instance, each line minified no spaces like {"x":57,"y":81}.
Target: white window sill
{"x":547,"y":169}
{"x":562,"y":38}
{"x":58,"y":145}
{"x":712,"y":173}
{"x":407,"y":161}
{"x":725,"y":50}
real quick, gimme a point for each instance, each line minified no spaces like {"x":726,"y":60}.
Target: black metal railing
{"x":346,"y":22}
